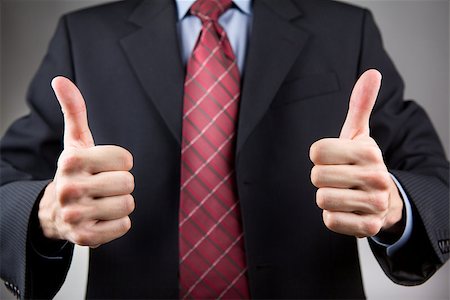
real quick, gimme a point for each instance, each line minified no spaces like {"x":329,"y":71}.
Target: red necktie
{"x":212,"y":258}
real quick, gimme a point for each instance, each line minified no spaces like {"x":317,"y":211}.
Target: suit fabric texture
{"x":303,"y":59}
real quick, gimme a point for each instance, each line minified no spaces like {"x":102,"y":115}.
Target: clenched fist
{"x":89,"y":200}
{"x":355,"y":189}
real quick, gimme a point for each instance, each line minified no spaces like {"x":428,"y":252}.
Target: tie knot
{"x":210,"y":10}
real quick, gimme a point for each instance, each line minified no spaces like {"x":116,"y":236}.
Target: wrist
{"x":394,"y":224}
{"x":46,"y":213}
{"x":41,"y":243}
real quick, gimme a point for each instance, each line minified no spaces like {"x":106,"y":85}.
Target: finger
{"x":361,"y":104}
{"x":336,"y":176}
{"x":108,"y":158}
{"x":114,"y":183}
{"x":332,"y":151}
{"x":106,"y":231}
{"x":111,"y":208}
{"x":347,"y":200}
{"x":105,"y":184}
{"x":352,"y":224}
{"x":95,"y":160}
{"x":76,"y":130}
{"x":101,"y":209}
{"x":350,"y":177}
{"x":101,"y":232}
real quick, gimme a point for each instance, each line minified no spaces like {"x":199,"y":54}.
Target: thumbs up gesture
{"x":89,"y":200}
{"x":355,"y":190}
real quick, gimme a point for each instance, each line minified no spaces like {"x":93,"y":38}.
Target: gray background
{"x":416,"y":34}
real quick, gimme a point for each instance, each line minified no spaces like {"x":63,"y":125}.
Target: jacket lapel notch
{"x":153,"y":52}
{"x":274,"y":45}
{"x":286,"y":9}
{"x":146,"y":11}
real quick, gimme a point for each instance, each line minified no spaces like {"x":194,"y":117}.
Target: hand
{"x":89,"y":200}
{"x":355,"y":189}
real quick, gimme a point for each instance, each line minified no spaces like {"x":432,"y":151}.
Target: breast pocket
{"x":306,"y":87}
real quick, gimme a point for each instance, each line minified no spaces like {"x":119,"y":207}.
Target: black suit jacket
{"x":303,"y":59}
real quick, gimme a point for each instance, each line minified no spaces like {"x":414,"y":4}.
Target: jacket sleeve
{"x":414,"y":155}
{"x":31,"y":268}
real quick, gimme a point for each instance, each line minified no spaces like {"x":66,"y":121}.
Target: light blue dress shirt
{"x":236,"y":22}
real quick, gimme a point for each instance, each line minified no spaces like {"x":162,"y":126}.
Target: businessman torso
{"x":292,"y":95}
{"x":303,"y":58}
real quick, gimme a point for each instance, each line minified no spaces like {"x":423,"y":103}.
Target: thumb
{"x":76,"y":129}
{"x":361,"y":104}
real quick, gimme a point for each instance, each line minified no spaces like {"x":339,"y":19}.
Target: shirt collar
{"x":183,"y":6}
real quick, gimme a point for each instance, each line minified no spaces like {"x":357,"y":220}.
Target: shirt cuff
{"x":392,"y":248}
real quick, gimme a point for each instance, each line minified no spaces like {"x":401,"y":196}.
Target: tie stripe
{"x":211,"y":83}
{"x":207,"y":162}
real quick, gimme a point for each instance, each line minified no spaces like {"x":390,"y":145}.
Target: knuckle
{"x":379,"y":201}
{"x":379,"y":155}
{"x":127,"y":160}
{"x":125,"y":225}
{"x":381,"y":179}
{"x":370,"y":176}
{"x":315,"y":176}
{"x":372,"y":227}
{"x":313,"y":155}
{"x":128,"y":182}
{"x":70,"y":215}
{"x":320,"y":198}
{"x":372,"y":154}
{"x":82,"y":238}
{"x":67,"y":190}
{"x":129,"y":204}
{"x":385,"y":180}
{"x":316,"y":150}
{"x":330,"y":220}
{"x":377,"y":178}
{"x":70,"y":161}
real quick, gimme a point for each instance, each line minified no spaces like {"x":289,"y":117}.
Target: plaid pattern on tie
{"x":212,"y":258}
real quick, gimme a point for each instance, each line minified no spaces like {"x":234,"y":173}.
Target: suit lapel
{"x":274,"y":45}
{"x":153,"y":52}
